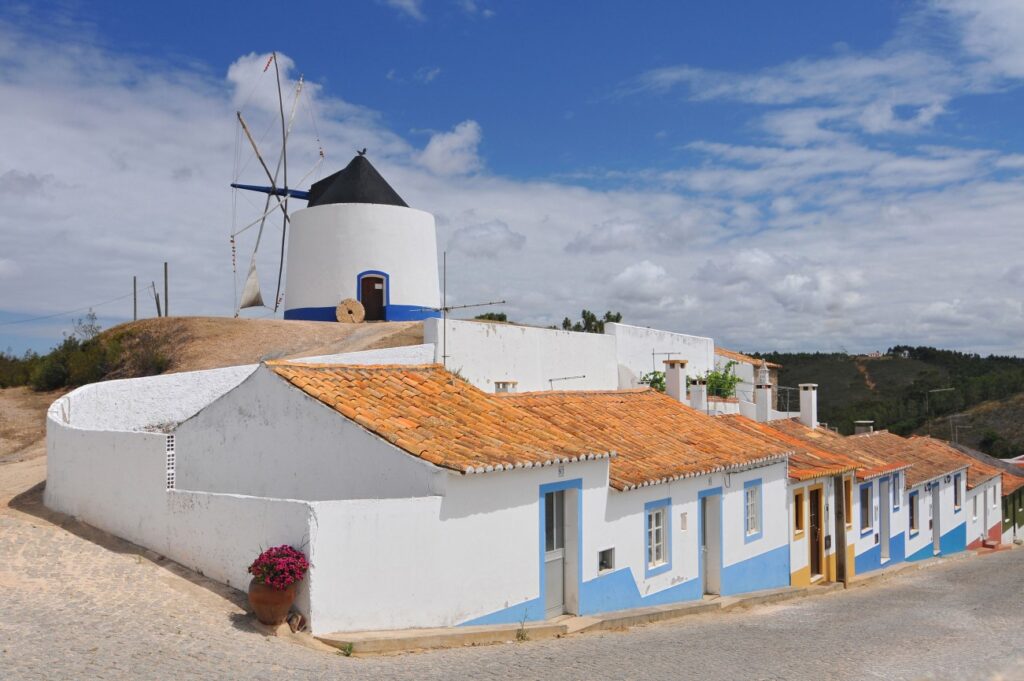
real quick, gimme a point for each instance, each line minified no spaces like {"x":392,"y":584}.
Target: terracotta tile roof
{"x":430,"y":414}
{"x":939,"y":452}
{"x":655,"y":437}
{"x":870,"y":461}
{"x":1012,"y":477}
{"x":730,"y":400}
{"x":807,"y":461}
{"x":740,"y":357}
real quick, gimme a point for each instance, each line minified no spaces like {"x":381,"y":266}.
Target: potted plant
{"x":275,"y":575}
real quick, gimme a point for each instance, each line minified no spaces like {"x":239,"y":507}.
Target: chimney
{"x":675,"y":378}
{"x":809,"y":404}
{"x":763,"y":394}
{"x":699,"y":394}
{"x":860,"y":427}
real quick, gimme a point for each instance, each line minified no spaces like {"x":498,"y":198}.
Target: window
{"x":606,"y":560}
{"x":752,"y":510}
{"x":798,"y":512}
{"x":974,"y":506}
{"x":848,"y":501}
{"x":897,"y":490}
{"x":957,"y":494}
{"x":865,"y":508}
{"x":657,"y":540}
{"x":915,"y":512}
{"x":554,"y":531}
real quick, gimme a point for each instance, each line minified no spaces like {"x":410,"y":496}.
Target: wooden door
{"x":371,"y":295}
{"x":814,"y":529}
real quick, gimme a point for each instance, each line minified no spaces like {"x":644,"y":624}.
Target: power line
{"x":60,"y":314}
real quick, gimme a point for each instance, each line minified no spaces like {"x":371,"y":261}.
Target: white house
{"x":421,"y":500}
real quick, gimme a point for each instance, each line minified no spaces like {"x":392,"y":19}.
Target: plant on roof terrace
{"x":722,"y":381}
{"x":655,"y":379}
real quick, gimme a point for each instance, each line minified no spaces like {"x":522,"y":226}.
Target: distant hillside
{"x":995,"y":427}
{"x":893,"y":389}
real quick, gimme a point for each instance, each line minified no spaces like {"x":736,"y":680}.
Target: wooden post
{"x":135,"y":299}
{"x":156,"y":297}
{"x":167,"y":300}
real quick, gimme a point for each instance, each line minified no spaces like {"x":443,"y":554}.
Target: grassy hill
{"x":894,"y":391}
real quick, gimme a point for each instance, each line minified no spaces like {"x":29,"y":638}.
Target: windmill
{"x":277,"y":193}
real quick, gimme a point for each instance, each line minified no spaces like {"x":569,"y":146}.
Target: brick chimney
{"x":763,"y":394}
{"x":699,"y":394}
{"x":809,"y":404}
{"x":675,"y":378}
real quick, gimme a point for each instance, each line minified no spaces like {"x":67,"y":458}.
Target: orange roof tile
{"x":871,"y":461}
{"x":807,"y":461}
{"x":430,"y":414}
{"x":940,"y":453}
{"x":656,"y":438}
{"x":740,"y":357}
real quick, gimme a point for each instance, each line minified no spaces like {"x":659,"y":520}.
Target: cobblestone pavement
{"x":75,"y":604}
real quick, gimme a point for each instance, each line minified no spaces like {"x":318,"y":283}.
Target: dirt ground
{"x":195,"y":343}
{"x":23,"y":423}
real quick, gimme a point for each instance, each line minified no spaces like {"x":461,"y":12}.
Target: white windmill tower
{"x":357,"y":245}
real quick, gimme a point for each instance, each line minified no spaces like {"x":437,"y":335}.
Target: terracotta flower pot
{"x":270,"y":605}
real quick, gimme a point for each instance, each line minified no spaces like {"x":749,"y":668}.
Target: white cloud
{"x":410,"y":8}
{"x":455,"y":152}
{"x":992,"y":31}
{"x":818,"y":242}
{"x":487,"y":240}
{"x":427,"y":74}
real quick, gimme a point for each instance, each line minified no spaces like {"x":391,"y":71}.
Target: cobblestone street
{"x":79,"y":605}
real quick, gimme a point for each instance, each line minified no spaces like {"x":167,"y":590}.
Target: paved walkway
{"x":77,"y":604}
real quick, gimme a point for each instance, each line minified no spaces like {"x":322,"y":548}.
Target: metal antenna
{"x":551,"y":381}
{"x":446,"y":308}
{"x":655,"y":355}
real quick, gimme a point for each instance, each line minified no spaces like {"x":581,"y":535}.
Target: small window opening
{"x":606,"y":560}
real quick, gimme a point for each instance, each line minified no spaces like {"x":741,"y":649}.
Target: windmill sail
{"x":251,"y":296}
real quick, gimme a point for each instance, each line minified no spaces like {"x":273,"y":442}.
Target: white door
{"x":883,"y":517}
{"x":711,"y":542}
{"x":984,"y":515}
{"x":936,"y":530}
{"x":554,"y":554}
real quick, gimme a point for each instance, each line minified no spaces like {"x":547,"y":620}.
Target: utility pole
{"x":135,"y":298}
{"x":156,"y":297}
{"x":167,"y":300}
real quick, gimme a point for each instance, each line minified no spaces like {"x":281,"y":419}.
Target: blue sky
{"x":792,"y":175}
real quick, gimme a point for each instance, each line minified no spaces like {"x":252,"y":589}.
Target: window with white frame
{"x":752,"y":508}
{"x":897,"y":490}
{"x":957,"y":493}
{"x":656,"y":537}
{"x":915,"y":511}
{"x":974,"y":506}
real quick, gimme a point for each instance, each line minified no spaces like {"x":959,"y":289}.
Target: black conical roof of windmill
{"x":358,"y":182}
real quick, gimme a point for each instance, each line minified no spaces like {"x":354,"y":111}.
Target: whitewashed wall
{"x":977,"y":501}
{"x":267,"y":438}
{"x":153,"y":402}
{"x":897,"y":517}
{"x":117,"y":482}
{"x":634,"y":346}
{"x":437,"y":561}
{"x":485,"y":352}
{"x":330,"y":245}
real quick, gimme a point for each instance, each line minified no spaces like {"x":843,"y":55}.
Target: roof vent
{"x":861,"y":427}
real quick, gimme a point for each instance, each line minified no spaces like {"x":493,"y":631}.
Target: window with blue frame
{"x":915,"y":513}
{"x":866,"y":520}
{"x":657,"y":541}
{"x":752,"y":510}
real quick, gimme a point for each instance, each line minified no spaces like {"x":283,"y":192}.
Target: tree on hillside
{"x":590,"y":322}
{"x":492,"y":317}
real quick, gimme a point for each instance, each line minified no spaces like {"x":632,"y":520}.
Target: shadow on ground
{"x":30,"y":502}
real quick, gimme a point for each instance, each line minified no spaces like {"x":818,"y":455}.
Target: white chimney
{"x":675,"y":378}
{"x":860,"y":427}
{"x":699,"y":394}
{"x":763,"y":394}
{"x":809,"y":404}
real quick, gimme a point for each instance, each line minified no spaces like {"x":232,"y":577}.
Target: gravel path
{"x":77,"y":604}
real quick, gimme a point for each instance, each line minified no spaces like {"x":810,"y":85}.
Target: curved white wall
{"x":330,"y":245}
